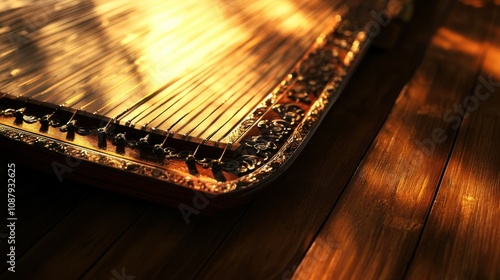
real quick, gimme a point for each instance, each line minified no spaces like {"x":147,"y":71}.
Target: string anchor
{"x":19,"y":115}
{"x":143,"y":142}
{"x":45,"y":122}
{"x":216,"y":166}
{"x":102,"y":135}
{"x":120,"y":139}
{"x":70,"y":127}
{"x":191,"y":161}
{"x":158,"y":148}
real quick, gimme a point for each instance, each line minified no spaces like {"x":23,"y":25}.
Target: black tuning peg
{"x":19,"y":115}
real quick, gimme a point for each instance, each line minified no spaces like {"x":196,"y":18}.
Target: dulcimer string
{"x":274,"y":65}
{"x":103,"y":57}
{"x":197,"y":106}
{"x":233,"y":69}
{"x":15,"y":36}
{"x":204,"y":70}
{"x":62,"y":55}
{"x":233,"y":61}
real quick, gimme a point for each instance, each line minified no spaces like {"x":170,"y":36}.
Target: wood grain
{"x":160,"y":245}
{"x":374,"y":228}
{"x":73,"y":245}
{"x":38,"y":207}
{"x":275,"y":233}
{"x":461,"y":239}
{"x":355,"y":204}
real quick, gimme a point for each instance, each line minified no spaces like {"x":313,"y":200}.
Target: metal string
{"x":233,"y":61}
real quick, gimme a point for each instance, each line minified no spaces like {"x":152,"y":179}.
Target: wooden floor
{"x":402,"y":181}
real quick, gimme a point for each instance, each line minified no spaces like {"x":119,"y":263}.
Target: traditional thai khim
{"x":157,"y":99}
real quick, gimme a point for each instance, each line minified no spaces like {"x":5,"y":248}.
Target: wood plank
{"x":38,"y":207}
{"x":73,"y":245}
{"x":373,"y":230}
{"x":160,"y":245}
{"x":462,"y":237}
{"x":277,"y":230}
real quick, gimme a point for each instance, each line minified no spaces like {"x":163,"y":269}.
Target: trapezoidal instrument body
{"x":160,"y":99}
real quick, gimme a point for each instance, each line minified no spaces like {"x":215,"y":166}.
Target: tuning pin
{"x":70,"y":128}
{"x":158,"y":149}
{"x":101,"y":137}
{"x":102,"y":132}
{"x":191,"y":164}
{"x":143,"y":142}
{"x":120,"y":140}
{"x":216,"y":166}
{"x":19,"y":114}
{"x":45,"y":121}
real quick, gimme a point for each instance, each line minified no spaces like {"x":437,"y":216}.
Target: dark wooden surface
{"x":394,"y":185}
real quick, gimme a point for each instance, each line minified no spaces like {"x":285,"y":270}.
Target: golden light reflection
{"x":451,"y":40}
{"x":191,"y":67}
{"x":474,"y":3}
{"x":469,"y":198}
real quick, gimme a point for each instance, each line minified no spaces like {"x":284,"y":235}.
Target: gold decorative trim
{"x":288,"y":118}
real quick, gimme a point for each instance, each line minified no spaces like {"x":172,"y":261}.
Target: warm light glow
{"x":191,"y":67}
{"x":474,"y":3}
{"x":448,"y":39}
